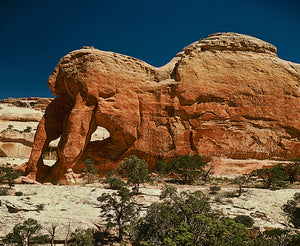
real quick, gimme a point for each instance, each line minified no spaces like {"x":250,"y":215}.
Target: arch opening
{"x":50,"y":156}
{"x":100,"y":134}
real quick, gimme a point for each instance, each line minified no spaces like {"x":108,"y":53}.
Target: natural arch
{"x":203,"y":101}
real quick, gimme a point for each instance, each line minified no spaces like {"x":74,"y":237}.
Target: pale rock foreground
{"x":78,"y":206}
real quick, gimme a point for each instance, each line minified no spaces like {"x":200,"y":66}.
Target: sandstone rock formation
{"x":228,"y":95}
{"x":19,"y":118}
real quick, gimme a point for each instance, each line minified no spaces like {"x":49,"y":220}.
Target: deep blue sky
{"x":35,"y":34}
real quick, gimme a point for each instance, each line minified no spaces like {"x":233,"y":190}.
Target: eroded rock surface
{"x":77,"y":206}
{"x":19,"y":118}
{"x":228,"y":95}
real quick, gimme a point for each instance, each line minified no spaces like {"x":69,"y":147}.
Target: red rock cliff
{"x":227,"y":95}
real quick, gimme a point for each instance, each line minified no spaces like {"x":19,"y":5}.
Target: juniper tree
{"x":114,"y":181}
{"x":186,"y":219}
{"x":89,"y":170}
{"x":136,"y":171}
{"x":26,"y":234}
{"x":272,"y":177}
{"x":292,"y":170}
{"x":188,"y":167}
{"x":8,"y":174}
{"x":83,"y":238}
{"x":292,"y":208}
{"x":241,"y":181}
{"x":119,"y":209}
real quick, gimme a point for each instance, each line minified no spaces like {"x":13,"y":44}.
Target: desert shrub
{"x":82,"y":238}
{"x":272,"y":177}
{"x":295,"y":240}
{"x":3,"y":191}
{"x":28,"y":129}
{"x":32,"y":104}
{"x":119,"y":209}
{"x":186,"y":219}
{"x":40,"y":207}
{"x":241,"y":181}
{"x":292,"y":209}
{"x":8,"y":175}
{"x":245,"y":220}
{"x":213,"y":190}
{"x":115,"y":182}
{"x":162,"y":168}
{"x":10,"y":127}
{"x":136,"y":171}
{"x":19,"y":193}
{"x":218,"y":199}
{"x":26,"y":234}
{"x":230,"y":194}
{"x":292,"y":170}
{"x":90,"y":170}
{"x":188,"y":168}
{"x":280,"y":236}
{"x":21,"y":104}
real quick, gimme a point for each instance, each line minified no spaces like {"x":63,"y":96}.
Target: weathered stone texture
{"x":228,"y":95}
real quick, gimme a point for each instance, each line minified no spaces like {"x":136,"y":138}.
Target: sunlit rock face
{"x":228,"y":95}
{"x":19,"y":118}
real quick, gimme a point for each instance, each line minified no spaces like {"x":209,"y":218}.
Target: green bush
{"x":90,"y":170}
{"x":295,"y":240}
{"x":82,"y":238}
{"x":218,"y":199}
{"x":230,"y":194}
{"x":292,"y":170}
{"x":241,"y":181}
{"x":115,"y":182}
{"x":8,"y":175}
{"x":3,"y":191}
{"x":186,"y":219}
{"x":19,"y":193}
{"x":272,"y":177}
{"x":137,"y":172}
{"x":119,"y":209}
{"x":280,"y":236}
{"x":214,"y":189}
{"x":10,"y":127}
{"x":40,"y":207}
{"x":188,"y":168}
{"x":26,"y":234}
{"x":28,"y":129}
{"x":245,"y":220}
{"x":162,"y":168}
{"x":292,"y":209}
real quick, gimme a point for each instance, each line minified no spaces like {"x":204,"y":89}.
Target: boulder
{"x":228,"y":96}
{"x":71,"y":177}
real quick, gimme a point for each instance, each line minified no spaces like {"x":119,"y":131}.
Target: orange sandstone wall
{"x":228,"y":95}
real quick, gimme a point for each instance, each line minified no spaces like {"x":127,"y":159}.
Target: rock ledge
{"x":232,"y":42}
